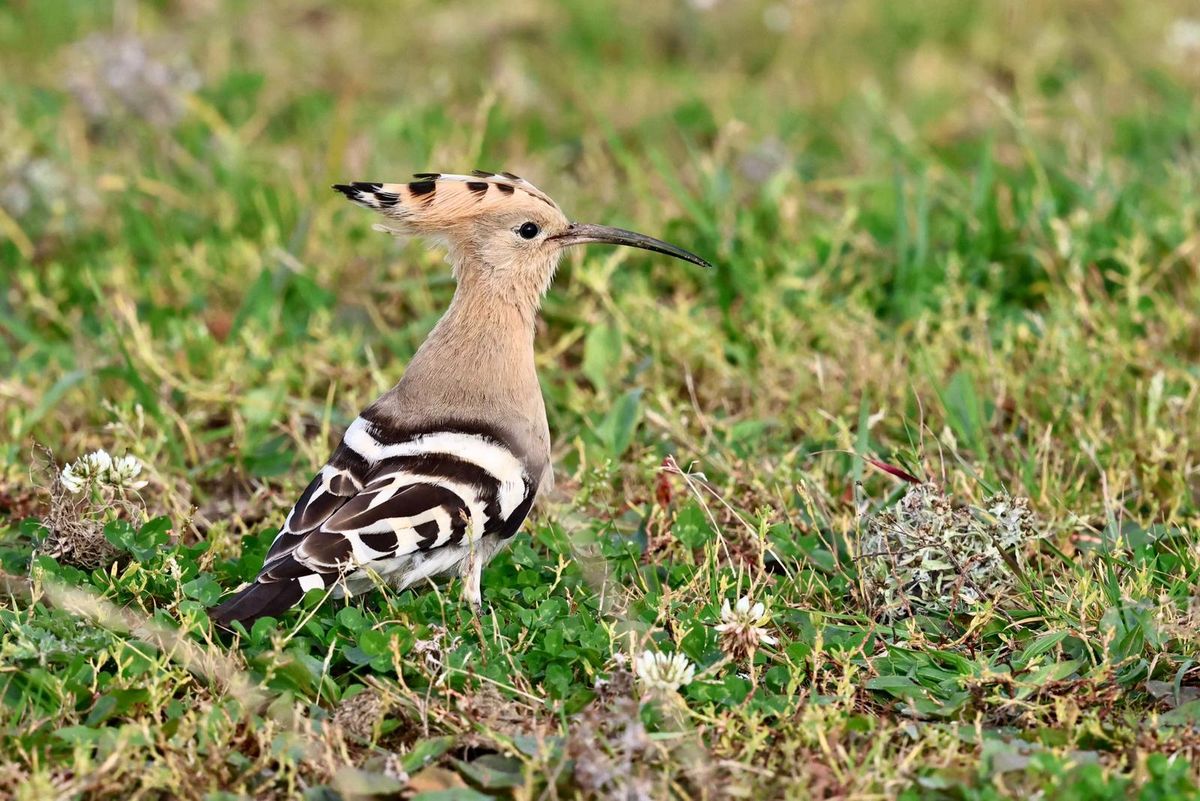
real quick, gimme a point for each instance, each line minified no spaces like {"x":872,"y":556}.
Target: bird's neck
{"x":482,"y":329}
{"x":478,"y":360}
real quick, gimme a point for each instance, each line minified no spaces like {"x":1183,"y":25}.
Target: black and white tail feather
{"x":405,"y":505}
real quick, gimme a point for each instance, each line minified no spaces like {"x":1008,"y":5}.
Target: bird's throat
{"x":479,"y":356}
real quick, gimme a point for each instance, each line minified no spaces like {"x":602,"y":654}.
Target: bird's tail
{"x":260,"y":599}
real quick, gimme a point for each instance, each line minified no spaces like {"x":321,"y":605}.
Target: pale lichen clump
{"x":612,"y":753}
{"x":362,"y":714}
{"x":926,"y":556}
{"x":117,"y":76}
{"x":39,"y":189}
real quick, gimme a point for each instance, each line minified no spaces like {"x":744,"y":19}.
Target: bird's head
{"x":501,"y":231}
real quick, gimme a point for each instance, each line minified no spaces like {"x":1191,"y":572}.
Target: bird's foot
{"x":477,"y":625}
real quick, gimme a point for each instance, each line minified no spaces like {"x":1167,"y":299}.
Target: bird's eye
{"x":528,"y":230}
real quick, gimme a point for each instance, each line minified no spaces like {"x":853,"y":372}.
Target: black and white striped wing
{"x":383,"y":497}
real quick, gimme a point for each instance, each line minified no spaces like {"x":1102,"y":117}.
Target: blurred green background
{"x":858,"y":170}
{"x":957,"y":236}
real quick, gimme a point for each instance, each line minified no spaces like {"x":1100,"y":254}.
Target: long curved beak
{"x":583,"y":233}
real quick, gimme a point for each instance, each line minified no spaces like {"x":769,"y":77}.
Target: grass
{"x":959,"y":238}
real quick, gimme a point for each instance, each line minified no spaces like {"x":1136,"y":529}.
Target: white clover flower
{"x":122,"y":473}
{"x":743,"y":627}
{"x":100,"y":461}
{"x":72,"y":481}
{"x":100,"y":470}
{"x":664,"y":673}
{"x":86,"y":471}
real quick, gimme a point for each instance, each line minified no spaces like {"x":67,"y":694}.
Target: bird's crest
{"x":437,"y":200}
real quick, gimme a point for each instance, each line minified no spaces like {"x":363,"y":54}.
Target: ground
{"x":954,"y":240}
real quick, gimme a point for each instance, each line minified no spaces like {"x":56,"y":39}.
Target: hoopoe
{"x":437,"y":475}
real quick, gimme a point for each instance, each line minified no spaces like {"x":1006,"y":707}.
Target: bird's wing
{"x":383,"y":495}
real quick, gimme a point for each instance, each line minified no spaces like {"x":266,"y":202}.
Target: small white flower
{"x":100,"y":470}
{"x":71,"y":480}
{"x":99,"y":460}
{"x":665,"y":673}
{"x":122,"y":473}
{"x":743,"y":627}
{"x":87,"y":470}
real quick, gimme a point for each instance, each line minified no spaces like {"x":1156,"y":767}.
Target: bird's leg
{"x":471,"y":590}
{"x":472,"y":572}
{"x":471,"y":575}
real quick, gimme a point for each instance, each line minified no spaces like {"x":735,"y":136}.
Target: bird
{"x":438,"y":474}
